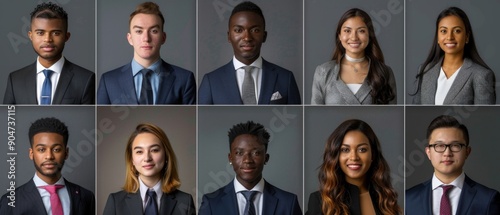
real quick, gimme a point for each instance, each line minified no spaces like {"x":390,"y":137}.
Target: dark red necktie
{"x":445,"y":208}
{"x":55,"y":202}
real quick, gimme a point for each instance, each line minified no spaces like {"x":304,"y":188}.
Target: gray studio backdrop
{"x":482,"y":123}
{"x":321,"y":18}
{"x":284,"y":169}
{"x":386,"y":122}
{"x":113,"y":49}
{"x":283,"y":46}
{"x":420,"y":25}
{"x":116,"y":123}
{"x":17,"y":51}
{"x":79,"y":168}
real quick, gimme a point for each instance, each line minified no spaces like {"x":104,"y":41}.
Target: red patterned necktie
{"x":55,"y":202}
{"x":445,"y":208}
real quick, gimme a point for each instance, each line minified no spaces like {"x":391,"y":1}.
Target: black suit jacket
{"x":474,"y":199}
{"x":177,"y":86}
{"x":123,"y":203}
{"x":76,"y":86}
{"x":29,"y":201}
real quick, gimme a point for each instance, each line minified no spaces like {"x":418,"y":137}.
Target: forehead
{"x":451,"y":21}
{"x":246,"y":141}
{"x":354,"y":22}
{"x":145,"y":20}
{"x":447,"y":134}
{"x":244,"y":18}
{"x":46,"y":23}
{"x":145,"y":140}
{"x":48,"y":138}
{"x":355,"y":138}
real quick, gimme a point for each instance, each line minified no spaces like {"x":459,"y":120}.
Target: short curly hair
{"x":49,"y":125}
{"x":251,"y":128}
{"x":248,"y":6}
{"x":49,"y":10}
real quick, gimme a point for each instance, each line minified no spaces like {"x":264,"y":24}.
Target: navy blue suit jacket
{"x":221,"y":86}
{"x":29,"y":201}
{"x":276,"y":201}
{"x":177,"y":86}
{"x":475,"y":199}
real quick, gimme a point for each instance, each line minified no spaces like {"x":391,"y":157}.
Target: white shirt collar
{"x":56,"y":67}
{"x":258,"y":187}
{"x":257,"y":63}
{"x":39,"y":182}
{"x":458,"y":182}
{"x":143,"y":189}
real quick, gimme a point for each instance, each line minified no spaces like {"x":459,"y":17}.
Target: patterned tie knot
{"x":249,"y":195}
{"x":248,"y":69}
{"x":52,"y":188}
{"x":446,"y":188}
{"x":47,"y":73}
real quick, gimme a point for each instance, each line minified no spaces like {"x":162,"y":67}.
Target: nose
{"x":146,"y":37}
{"x":353,"y":155}
{"x":47,"y":37}
{"x":247,"y":35}
{"x":247,"y":158}
{"x":451,"y":36}
{"x":147,"y":156}
{"x":49,"y":155}
{"x":447,"y":151}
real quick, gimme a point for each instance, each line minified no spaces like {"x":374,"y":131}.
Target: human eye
{"x":363,"y":149}
{"x":442,"y":31}
{"x":39,"y":33}
{"x":138,"y":31}
{"x":56,"y":33}
{"x":155,"y":150}
{"x":57,"y":149}
{"x":440,"y":147}
{"x":40,"y":149}
{"x":237,"y":30}
{"x":458,"y":31}
{"x":344,"y":150}
{"x":154,"y":31}
{"x":347,"y":30}
{"x":138,"y":152}
{"x":456,"y":146}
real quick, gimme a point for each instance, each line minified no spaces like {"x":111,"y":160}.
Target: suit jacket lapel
{"x":363,"y":92}
{"x":269,"y":77}
{"x":467,"y":195}
{"x":426,"y":198}
{"x":270,"y":202}
{"x":168,"y":203}
{"x":32,"y":191}
{"x":166,"y":83}
{"x":229,"y":200}
{"x":127,"y":85}
{"x":231,"y":83}
{"x":63,"y":83}
{"x":460,"y":80}
{"x":344,"y":91}
{"x":30,"y":84}
{"x":74,"y":197}
{"x":134,"y":203}
{"x":429,"y":84}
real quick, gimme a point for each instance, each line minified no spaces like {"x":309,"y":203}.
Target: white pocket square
{"x":276,"y":95}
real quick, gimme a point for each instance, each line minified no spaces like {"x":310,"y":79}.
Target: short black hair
{"x":250,"y":7}
{"x":251,"y":128}
{"x":50,"y":125}
{"x":445,"y":121}
{"x":49,"y":10}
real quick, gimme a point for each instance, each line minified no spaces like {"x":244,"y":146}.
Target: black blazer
{"x":29,"y":201}
{"x":76,"y":86}
{"x":174,"y":203}
{"x":354,"y":202}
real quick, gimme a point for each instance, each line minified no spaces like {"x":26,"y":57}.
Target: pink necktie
{"x":445,"y":208}
{"x":55,"y":202}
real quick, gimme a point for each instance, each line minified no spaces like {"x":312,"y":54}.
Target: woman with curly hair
{"x":354,"y":177}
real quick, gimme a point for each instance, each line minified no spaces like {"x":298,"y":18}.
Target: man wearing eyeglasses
{"x":450,"y":191}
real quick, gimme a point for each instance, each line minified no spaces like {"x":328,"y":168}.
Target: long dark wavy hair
{"x":436,"y":53}
{"x":332,"y":178}
{"x":378,"y":76}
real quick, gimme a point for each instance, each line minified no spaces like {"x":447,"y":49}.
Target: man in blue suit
{"x":248,"y":78}
{"x":450,"y":191}
{"x":147,"y":79}
{"x":249,"y":193}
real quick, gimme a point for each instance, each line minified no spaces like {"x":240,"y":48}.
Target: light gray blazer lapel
{"x":462,"y":78}
{"x":429,"y":84}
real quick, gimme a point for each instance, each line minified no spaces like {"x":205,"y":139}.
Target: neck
{"x":360,"y":183}
{"x":48,"y":62}
{"x":48,"y":179}
{"x":447,"y":179}
{"x":355,"y":59}
{"x":453,"y":60}
{"x":146,"y":62}
{"x":150,"y":181}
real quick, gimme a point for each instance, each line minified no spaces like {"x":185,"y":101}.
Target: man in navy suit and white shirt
{"x":168,"y":84}
{"x":49,"y":150}
{"x":271,"y":84}
{"x":450,"y":191}
{"x":248,"y":155}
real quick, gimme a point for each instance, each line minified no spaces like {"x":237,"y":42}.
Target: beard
{"x":54,"y":174}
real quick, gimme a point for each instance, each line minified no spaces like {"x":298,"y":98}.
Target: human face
{"x":48,"y":153}
{"x":246,"y":34}
{"x":248,"y":157}
{"x":355,"y":157}
{"x":452,"y":36}
{"x":148,"y":156}
{"x":146,"y":36}
{"x":447,"y":165}
{"x":354,"y":37}
{"x":48,"y":37}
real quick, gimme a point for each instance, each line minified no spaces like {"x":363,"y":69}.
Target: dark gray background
{"x":420,"y":26}
{"x":79,"y":168}
{"x":387,"y":123}
{"x":283,"y":46}
{"x":321,"y":18}
{"x":115,"y":125}
{"x":482,"y":123}
{"x":79,"y":49}
{"x":284,"y":169}
{"x":113,"y":49}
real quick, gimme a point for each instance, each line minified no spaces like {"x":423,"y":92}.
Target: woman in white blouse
{"x":357,"y":73}
{"x":453,"y":72}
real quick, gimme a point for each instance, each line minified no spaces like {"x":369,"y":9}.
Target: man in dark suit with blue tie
{"x":48,"y":192}
{"x":450,"y":191}
{"x":52,"y":79}
{"x":249,"y":193}
{"x":248,"y":78}
{"x":147,"y":80}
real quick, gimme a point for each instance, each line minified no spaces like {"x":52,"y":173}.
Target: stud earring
{"x":230,"y":163}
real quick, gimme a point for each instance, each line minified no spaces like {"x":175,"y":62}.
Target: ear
{"x":164,"y":38}
{"x":267,"y":158}
{"x":68,"y":35}
{"x":129,"y":39}
{"x":30,"y":34}
{"x":228,"y":37}
{"x":229,"y":157}
{"x":467,"y":152}
{"x":31,"y":154}
{"x":67,"y":153}
{"x":265,"y":37}
{"x":428,"y":152}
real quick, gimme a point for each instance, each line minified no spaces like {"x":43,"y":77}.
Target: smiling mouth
{"x":354,"y":166}
{"x":148,"y":166}
{"x":450,"y":45}
{"x":354,"y":45}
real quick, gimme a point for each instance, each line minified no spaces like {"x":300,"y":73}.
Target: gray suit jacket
{"x":328,"y":88}
{"x":174,"y":203}
{"x":474,"y":84}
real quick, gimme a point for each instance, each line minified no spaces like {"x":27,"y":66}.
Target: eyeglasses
{"x":440,"y":148}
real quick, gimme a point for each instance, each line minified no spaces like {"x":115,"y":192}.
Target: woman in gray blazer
{"x":357,"y":73}
{"x":453,"y":72}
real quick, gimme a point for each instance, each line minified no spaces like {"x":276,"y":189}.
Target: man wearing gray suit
{"x":51,"y":79}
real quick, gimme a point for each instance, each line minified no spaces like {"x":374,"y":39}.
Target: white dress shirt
{"x":444,"y":85}
{"x":54,"y":78}
{"x":144,"y":189}
{"x":256,"y":74}
{"x":258,"y":200}
{"x":61,"y":192}
{"x":453,"y":194}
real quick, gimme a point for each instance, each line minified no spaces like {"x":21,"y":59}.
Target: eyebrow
{"x":44,"y":145}
{"x":361,"y":144}
{"x":140,"y":27}
{"x":152,"y":146}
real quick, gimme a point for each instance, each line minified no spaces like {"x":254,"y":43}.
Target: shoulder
{"x":327,"y":68}
{"x":279,"y":193}
{"x":176,"y":69}
{"x":78,"y":188}
{"x":273,"y":67}
{"x":181,"y":195}
{"x":482,"y":189}
{"x":477,"y":69}
{"x":218,"y":193}
{"x":77,"y":69}
{"x":22,"y":72}
{"x":117,"y":72}
{"x":417,"y":189}
{"x":221,"y":70}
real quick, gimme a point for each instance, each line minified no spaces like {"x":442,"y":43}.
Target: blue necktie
{"x":151,"y":205}
{"x":146,"y":96}
{"x":46,"y":95}
{"x":249,"y":207}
